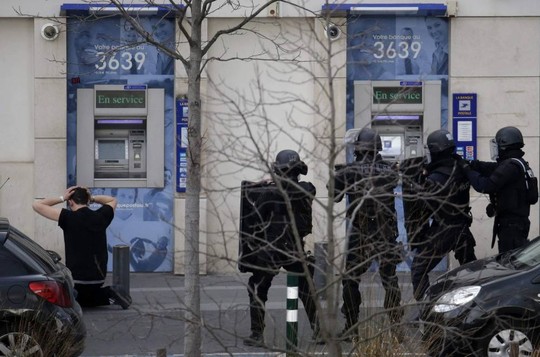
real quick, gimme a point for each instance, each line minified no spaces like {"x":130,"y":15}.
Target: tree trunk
{"x":192,"y":334}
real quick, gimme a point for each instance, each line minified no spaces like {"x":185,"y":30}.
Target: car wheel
{"x":505,"y":336}
{"x":15,"y":344}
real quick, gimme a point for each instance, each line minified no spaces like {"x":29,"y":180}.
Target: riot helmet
{"x":288,"y":163}
{"x":368,"y":140}
{"x":506,"y":138}
{"x":440,"y":143}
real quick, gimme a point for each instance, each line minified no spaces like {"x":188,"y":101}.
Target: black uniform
{"x":505,"y":183}
{"x":369,"y":184}
{"x":445,"y":198}
{"x":278,"y":244}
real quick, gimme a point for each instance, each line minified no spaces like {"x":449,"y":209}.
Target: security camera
{"x":50,"y":32}
{"x":333,"y":32}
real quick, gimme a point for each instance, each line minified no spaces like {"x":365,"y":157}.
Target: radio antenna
{"x":4,"y":183}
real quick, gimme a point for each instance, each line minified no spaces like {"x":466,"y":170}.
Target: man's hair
{"x":80,"y":196}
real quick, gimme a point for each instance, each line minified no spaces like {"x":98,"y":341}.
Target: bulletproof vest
{"x":369,"y":185}
{"x":512,"y":198}
{"x":451,"y":192}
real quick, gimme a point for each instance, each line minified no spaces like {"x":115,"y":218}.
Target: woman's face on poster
{"x":437,"y":29}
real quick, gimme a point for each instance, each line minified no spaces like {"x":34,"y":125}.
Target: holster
{"x":495,"y":231}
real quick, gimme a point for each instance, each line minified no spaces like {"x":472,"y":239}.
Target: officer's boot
{"x":350,"y":330}
{"x":256,"y":312}
{"x":308,"y":300}
{"x":350,"y":310}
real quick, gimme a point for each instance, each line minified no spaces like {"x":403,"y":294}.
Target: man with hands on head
{"x":85,"y":243}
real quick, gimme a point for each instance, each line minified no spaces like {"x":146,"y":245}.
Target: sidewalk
{"x":155,"y":323}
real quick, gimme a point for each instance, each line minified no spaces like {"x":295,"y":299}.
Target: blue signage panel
{"x":181,"y":143}
{"x":464,"y":124}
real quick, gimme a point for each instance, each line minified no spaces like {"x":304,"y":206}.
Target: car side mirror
{"x":55,"y":256}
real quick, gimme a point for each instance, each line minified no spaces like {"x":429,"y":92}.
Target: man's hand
{"x":69,"y":192}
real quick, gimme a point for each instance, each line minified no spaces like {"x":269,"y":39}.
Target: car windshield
{"x":526,"y":257}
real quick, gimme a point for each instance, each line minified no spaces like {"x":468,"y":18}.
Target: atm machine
{"x":402,"y":112}
{"x":120,"y":136}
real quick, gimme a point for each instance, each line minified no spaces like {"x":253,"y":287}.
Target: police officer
{"x":445,"y":197}
{"x":369,"y":183}
{"x":503,"y":180}
{"x":285,"y":218}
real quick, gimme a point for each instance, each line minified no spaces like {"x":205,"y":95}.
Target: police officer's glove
{"x":421,"y":178}
{"x":490,"y":210}
{"x":462,"y":163}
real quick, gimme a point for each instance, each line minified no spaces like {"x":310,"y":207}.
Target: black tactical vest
{"x":369,"y":185}
{"x":511,"y":199}
{"x":449,"y":192}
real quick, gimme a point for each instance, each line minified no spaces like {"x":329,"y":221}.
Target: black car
{"x":489,"y":307}
{"x":38,"y":312}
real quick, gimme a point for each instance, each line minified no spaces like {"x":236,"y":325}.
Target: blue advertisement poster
{"x":110,"y":51}
{"x":397,"y":48}
{"x":406,"y":48}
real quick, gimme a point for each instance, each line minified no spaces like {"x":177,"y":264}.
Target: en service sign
{"x":397,"y":95}
{"x":120,"y":99}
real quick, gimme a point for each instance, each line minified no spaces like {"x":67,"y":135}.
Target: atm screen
{"x":392,"y":145}
{"x":111,"y":149}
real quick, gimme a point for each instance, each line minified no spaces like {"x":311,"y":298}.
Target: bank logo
{"x":464,"y":105}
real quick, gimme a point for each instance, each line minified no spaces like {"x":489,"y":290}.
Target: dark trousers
{"x":91,"y":295}
{"x":513,"y":232}
{"x":259,"y":284}
{"x":368,"y":242}
{"x":439,"y":241}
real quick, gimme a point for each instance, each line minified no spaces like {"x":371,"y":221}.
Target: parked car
{"x":489,"y":307}
{"x":39,"y":315}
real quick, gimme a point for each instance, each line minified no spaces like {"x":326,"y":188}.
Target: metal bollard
{"x":292,"y":314}
{"x":121,"y":267}
{"x":319,"y":278}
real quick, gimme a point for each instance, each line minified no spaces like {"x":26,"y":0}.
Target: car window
{"x":33,"y":250}
{"x":10,"y":265}
{"x":528,"y":256}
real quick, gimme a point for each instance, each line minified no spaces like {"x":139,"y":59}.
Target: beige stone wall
{"x":33,"y":122}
